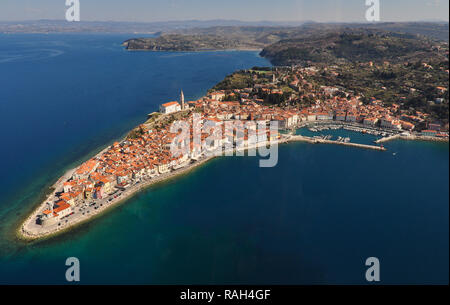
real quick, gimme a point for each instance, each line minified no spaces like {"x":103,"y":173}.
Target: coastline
{"x":26,"y":235}
{"x":411,"y":138}
{"x":226,"y":218}
{"x":67,"y":174}
{"x":23,"y":234}
{"x":196,"y":51}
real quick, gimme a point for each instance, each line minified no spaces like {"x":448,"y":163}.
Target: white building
{"x":169,"y":107}
{"x":390,"y":123}
{"x":312,"y":117}
{"x":163,"y":167}
{"x":324,"y":116}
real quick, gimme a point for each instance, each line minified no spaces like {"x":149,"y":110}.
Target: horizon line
{"x":232,"y":20}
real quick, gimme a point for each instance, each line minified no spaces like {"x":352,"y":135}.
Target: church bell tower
{"x":182,"y":100}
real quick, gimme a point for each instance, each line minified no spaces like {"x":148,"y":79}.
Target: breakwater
{"x":299,"y":138}
{"x":411,"y":138}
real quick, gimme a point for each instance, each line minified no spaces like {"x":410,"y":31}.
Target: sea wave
{"x":32,"y":55}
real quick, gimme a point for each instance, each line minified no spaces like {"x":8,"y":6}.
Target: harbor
{"x":381,"y":135}
{"x":340,"y":133}
{"x":349,"y":126}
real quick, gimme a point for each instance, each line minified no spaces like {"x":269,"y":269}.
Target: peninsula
{"x":293,"y":97}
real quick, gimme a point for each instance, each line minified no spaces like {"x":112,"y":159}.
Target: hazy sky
{"x":247,"y":10}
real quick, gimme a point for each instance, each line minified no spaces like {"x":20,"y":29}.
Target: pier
{"x":390,"y":138}
{"x":299,"y":138}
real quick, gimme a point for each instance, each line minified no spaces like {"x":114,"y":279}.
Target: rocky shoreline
{"x":412,"y":138}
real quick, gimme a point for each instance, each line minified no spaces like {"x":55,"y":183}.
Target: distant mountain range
{"x":310,"y":42}
{"x":62,"y":26}
{"x":436,"y":30}
{"x":281,"y":42}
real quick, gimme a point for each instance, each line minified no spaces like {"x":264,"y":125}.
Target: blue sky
{"x":247,"y":10}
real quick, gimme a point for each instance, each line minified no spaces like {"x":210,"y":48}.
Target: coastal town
{"x":283,"y":95}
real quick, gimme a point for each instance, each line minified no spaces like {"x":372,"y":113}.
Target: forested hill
{"x":259,"y":37}
{"x":354,"y":45}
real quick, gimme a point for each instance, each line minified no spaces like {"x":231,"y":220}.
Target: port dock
{"x":389,"y":138}
{"x":299,"y":138}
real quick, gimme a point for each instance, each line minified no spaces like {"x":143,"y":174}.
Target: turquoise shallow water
{"x":314,"y":218}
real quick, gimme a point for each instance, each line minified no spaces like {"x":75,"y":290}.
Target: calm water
{"x":355,"y":137}
{"x":314,"y":218}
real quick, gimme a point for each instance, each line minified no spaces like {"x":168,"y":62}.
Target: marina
{"x":317,"y":127}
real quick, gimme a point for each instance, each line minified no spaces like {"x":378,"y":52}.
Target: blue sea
{"x":313,"y":219}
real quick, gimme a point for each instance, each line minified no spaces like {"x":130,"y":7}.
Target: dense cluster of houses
{"x":149,"y":154}
{"x":327,"y":105}
{"x":133,"y":159}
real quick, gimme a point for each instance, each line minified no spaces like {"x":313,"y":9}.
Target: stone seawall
{"x":411,"y":138}
{"x":322,"y":141}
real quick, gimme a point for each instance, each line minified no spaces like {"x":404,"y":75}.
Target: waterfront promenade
{"x":84,"y":212}
{"x":30,"y":230}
